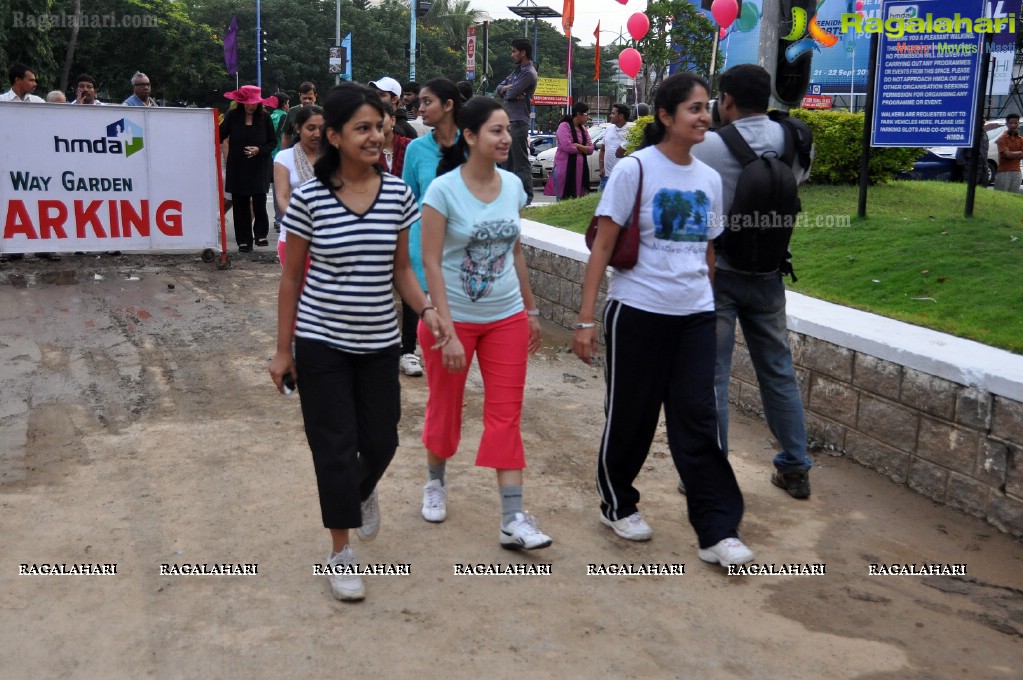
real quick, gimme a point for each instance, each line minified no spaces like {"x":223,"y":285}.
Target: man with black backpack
{"x":762,"y":158}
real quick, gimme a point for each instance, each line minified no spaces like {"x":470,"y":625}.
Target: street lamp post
{"x":259,"y":48}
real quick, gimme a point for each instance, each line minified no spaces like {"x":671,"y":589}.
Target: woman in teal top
{"x":477,"y":275}
{"x":439,"y":105}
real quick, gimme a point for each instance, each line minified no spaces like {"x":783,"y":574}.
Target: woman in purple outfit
{"x":571,"y":175}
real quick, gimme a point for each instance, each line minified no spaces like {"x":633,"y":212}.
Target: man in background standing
{"x":86,"y":91}
{"x":143,"y":89}
{"x":517,"y":92}
{"x":410,"y":98}
{"x":613,"y":145}
{"x":306,"y":97}
{"x":23,"y":84}
{"x":390,"y":93}
{"x":756,"y":299}
{"x":1010,"y":151}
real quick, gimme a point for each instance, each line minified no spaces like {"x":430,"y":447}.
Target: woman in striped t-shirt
{"x":352,"y":221}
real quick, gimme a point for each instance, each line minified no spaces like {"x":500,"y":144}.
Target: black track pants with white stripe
{"x":655,"y":360}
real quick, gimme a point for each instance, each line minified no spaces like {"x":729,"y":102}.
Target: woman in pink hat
{"x":251,"y":140}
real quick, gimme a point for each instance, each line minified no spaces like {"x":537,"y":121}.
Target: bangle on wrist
{"x":532,"y":312}
{"x":426,"y":309}
{"x":581,"y":325}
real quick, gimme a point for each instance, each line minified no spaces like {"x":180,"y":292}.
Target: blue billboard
{"x":928,"y":74}
{"x":839,"y":59}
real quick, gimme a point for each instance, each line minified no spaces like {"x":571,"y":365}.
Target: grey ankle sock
{"x":511,"y":502}
{"x":435,"y":472}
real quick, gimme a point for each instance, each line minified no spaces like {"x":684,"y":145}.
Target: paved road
{"x":138,"y":427}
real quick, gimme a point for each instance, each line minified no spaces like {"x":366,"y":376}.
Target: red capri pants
{"x":502,"y":348}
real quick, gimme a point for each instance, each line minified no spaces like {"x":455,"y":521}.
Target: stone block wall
{"x":951,"y":442}
{"x":956,"y":443}
{"x":557,"y":283}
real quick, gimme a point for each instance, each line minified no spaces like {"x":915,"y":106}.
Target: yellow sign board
{"x":551,"y":92}
{"x":551,"y":87}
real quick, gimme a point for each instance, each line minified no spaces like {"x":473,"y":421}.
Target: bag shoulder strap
{"x":800,"y":134}
{"x":789,"y":155}
{"x":737,"y":145}
{"x":639,"y":196}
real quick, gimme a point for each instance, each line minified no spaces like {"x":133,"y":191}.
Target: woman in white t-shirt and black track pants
{"x":293,"y":167}
{"x":352,"y":221}
{"x":477,"y":277}
{"x":659,"y":326}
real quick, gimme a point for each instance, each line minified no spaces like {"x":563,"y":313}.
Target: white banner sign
{"x":98,"y":178}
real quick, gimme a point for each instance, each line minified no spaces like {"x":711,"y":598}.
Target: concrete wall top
{"x":939,"y":354}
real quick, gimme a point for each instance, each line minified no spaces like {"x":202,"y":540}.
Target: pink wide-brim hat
{"x":251,"y":94}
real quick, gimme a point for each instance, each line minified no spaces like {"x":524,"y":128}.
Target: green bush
{"x":634,"y":136}
{"x":837,"y":137}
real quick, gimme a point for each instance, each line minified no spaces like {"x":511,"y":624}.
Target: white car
{"x":994,"y":130}
{"x":543,"y":164}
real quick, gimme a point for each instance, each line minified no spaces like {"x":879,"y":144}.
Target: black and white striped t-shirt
{"x":347,"y":301}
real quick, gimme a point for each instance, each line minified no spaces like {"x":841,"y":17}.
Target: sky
{"x":612,"y":15}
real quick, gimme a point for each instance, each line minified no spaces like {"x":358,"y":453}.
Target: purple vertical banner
{"x":231,"y":47}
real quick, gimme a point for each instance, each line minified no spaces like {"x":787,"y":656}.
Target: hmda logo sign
{"x":122,"y":137}
{"x":903,"y":12}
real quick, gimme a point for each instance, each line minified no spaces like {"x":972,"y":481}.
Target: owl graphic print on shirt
{"x":487,"y":254}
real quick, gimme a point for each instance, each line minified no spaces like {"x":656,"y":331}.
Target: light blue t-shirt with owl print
{"x":680,"y":212}
{"x":478,"y":260}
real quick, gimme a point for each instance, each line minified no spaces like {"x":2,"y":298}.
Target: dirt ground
{"x":138,"y":426}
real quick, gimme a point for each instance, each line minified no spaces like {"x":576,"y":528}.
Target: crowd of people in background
{"x":418,"y":189}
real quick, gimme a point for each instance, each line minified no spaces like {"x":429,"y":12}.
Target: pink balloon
{"x":630,"y":61}
{"x":622,"y":2}
{"x":724,"y":12}
{"x":859,"y":5}
{"x":638,"y":25}
{"x":722,"y":33}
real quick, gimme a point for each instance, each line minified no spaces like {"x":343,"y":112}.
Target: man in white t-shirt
{"x":23,"y":84}
{"x":613,"y":144}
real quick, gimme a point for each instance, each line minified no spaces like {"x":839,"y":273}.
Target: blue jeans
{"x":518,"y":156}
{"x":758,"y":302}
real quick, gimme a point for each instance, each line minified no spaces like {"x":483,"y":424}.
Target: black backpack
{"x":766,"y":201}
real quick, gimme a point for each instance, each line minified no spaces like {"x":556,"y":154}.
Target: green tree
{"x":452,"y":18}
{"x":31,"y":42}
{"x":183,"y":53}
{"x":158,"y":37}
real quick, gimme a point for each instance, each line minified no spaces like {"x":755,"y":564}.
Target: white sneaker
{"x":345,"y":586}
{"x":727,"y":552}
{"x":435,"y":501}
{"x":370,"y":518}
{"x":522,"y":532}
{"x":633,"y":527}
{"x":409,"y":365}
